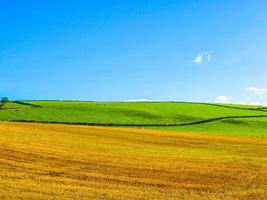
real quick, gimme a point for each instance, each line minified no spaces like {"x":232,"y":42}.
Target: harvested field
{"x":45,"y":161}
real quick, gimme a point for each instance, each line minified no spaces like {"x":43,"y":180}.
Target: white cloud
{"x":140,"y":100}
{"x":222,"y":99}
{"x":247,"y":103}
{"x":257,"y":90}
{"x":240,"y":102}
{"x":200,"y":58}
{"x":255,"y":104}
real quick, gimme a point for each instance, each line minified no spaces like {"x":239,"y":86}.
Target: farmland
{"x":238,"y":120}
{"x":52,"y":161}
{"x":122,"y":150}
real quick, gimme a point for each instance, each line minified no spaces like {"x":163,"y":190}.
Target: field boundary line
{"x":140,"y":125}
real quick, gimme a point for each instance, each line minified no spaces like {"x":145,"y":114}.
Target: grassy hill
{"x":214,"y":118}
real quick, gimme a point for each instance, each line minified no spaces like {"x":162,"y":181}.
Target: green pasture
{"x":159,"y":115}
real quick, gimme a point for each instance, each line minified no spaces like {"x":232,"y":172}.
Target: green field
{"x":213,"y":118}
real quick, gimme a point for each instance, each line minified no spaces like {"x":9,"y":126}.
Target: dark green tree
{"x":4,"y":100}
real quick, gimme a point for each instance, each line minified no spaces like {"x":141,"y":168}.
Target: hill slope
{"x":217,"y":118}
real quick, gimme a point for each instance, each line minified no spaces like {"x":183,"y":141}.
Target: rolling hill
{"x":201,"y":117}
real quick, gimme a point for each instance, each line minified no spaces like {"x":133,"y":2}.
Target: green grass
{"x":143,"y":114}
{"x":12,"y":105}
{"x":233,"y":127}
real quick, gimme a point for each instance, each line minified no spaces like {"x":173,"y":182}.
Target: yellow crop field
{"x":45,"y":161}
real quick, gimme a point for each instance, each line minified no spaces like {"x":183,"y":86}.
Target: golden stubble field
{"x":42,"y":161}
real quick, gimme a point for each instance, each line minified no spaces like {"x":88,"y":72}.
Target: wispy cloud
{"x":202,"y":57}
{"x":222,"y":99}
{"x":257,"y":90}
{"x":140,"y":100}
{"x":239,"y":102}
{"x":247,"y":101}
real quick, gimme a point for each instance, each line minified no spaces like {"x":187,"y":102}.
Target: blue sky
{"x":115,"y":50}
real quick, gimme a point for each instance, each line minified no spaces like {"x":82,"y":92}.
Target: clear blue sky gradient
{"x":114,"y":50}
